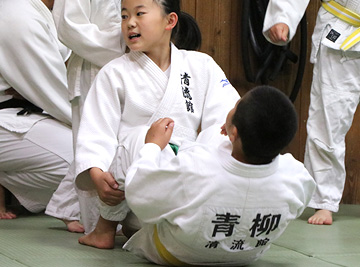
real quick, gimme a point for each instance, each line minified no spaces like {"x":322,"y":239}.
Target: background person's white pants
{"x":65,"y":203}
{"x":334,"y":98}
{"x":33,"y":164}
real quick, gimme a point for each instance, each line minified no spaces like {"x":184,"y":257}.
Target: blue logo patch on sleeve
{"x":224,"y":82}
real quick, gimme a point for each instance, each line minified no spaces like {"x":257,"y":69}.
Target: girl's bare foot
{"x":103,"y":236}
{"x":321,"y":217}
{"x":74,"y":226}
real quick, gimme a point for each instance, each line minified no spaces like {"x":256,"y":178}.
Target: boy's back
{"x":211,"y":209}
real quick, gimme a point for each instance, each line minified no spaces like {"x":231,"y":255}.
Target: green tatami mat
{"x":42,"y":241}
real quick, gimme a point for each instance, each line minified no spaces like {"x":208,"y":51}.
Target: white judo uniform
{"x":36,"y":150}
{"x":284,"y":11}
{"x":92,"y":30}
{"x":132,"y":90}
{"x":207,"y":207}
{"x":335,"y":93}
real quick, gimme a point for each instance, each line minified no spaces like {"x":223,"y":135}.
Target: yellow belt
{"x":348,"y":16}
{"x":164,"y":253}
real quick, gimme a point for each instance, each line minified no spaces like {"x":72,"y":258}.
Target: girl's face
{"x":144,"y":25}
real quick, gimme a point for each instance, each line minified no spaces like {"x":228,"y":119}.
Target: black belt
{"x":27,"y":107}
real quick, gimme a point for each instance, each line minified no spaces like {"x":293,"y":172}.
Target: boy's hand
{"x":160,"y":132}
{"x":279,"y":33}
{"x":223,"y":130}
{"x":107,"y":187}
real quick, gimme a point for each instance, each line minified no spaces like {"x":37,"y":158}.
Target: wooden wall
{"x":220,"y":24}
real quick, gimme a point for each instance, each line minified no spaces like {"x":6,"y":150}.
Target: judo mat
{"x":42,"y":241}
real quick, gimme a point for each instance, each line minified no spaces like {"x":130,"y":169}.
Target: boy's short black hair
{"x":266,"y":121}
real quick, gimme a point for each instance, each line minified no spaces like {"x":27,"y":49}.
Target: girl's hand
{"x":223,"y":130}
{"x":107,"y":187}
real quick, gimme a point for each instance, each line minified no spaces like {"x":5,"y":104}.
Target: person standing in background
{"x":92,"y":30}
{"x":335,"y":91}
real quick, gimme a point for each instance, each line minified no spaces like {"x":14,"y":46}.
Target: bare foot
{"x":6,"y":215}
{"x":321,"y":217}
{"x":74,"y":226}
{"x":102,"y":237}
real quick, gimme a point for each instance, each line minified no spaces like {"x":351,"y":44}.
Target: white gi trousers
{"x":65,"y":203}
{"x":69,"y":203}
{"x":32,"y":164}
{"x":334,"y":98}
{"x":130,"y":144}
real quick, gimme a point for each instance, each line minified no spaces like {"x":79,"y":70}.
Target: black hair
{"x":266,"y":121}
{"x":186,"y":34}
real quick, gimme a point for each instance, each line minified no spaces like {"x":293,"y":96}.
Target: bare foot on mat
{"x":321,"y":217}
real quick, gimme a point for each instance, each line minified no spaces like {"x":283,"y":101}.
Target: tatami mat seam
{"x":314,"y":256}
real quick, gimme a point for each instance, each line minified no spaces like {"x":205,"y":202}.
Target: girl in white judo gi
{"x":35,"y":149}
{"x":154,"y":80}
{"x":92,"y":30}
{"x":335,"y":91}
{"x":222,"y":201}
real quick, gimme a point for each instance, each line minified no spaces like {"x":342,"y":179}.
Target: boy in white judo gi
{"x":222,"y":200}
{"x":335,"y":91}
{"x":92,"y":30}
{"x":155,"y":79}
{"x":35,"y":146}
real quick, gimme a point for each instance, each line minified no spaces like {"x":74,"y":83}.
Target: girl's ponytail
{"x":186,"y":34}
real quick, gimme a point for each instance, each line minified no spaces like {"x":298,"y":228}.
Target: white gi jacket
{"x":284,"y":11}
{"x":132,"y":90}
{"x":92,"y":30}
{"x":27,"y":54}
{"x":210,"y":209}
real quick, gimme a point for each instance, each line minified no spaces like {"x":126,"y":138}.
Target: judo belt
{"x":348,"y":16}
{"x":174,"y":147}
{"x":27,"y":106}
{"x":164,"y":253}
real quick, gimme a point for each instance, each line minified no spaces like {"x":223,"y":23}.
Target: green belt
{"x":175,"y":148}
